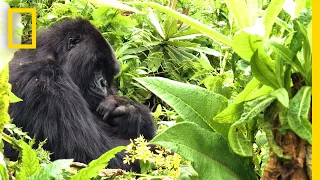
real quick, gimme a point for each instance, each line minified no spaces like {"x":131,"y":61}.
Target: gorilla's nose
{"x":102,"y":83}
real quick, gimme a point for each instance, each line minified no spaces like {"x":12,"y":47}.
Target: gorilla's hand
{"x":129,"y":119}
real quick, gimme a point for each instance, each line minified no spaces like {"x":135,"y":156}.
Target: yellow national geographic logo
{"x":34,"y":29}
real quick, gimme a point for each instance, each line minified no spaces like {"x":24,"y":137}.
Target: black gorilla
{"x":66,"y":87}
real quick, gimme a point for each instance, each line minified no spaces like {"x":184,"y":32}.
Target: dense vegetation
{"x":228,"y":81}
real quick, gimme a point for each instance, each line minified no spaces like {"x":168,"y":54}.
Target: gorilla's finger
{"x":105,"y":108}
{"x":119,"y":111}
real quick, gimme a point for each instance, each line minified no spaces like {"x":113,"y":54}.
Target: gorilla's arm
{"x":128,"y":118}
{"x":53,"y":108}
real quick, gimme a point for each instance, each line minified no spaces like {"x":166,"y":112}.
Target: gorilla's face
{"x":90,"y":61}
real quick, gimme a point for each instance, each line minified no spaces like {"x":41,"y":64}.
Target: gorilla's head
{"x":84,"y":55}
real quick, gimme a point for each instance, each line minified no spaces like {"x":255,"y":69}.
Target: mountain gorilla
{"x":66,"y":87}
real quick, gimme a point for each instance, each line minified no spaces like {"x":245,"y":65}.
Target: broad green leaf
{"x":97,"y":165}
{"x":241,"y":133}
{"x":298,"y":114}
{"x":156,"y":23}
{"x":263,"y":69}
{"x":282,"y":96}
{"x":29,"y":162}
{"x":53,"y":170}
{"x":273,"y":10}
{"x":252,"y":90}
{"x":209,"y":152}
{"x":193,"y":103}
{"x":245,"y":42}
{"x":231,"y":114}
{"x":238,"y":10}
{"x":14,"y":98}
{"x":207,"y":30}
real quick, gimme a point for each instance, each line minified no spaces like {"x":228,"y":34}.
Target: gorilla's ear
{"x":73,"y":41}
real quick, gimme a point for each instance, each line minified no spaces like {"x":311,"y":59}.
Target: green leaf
{"x":209,"y":152}
{"x":205,"y":63}
{"x":97,"y":165}
{"x":29,"y":162}
{"x":238,"y":10}
{"x":273,"y":10}
{"x":13,"y":98}
{"x":307,"y":53}
{"x":263,"y":69}
{"x":252,"y":90}
{"x":156,"y":23}
{"x":53,"y":170}
{"x":231,"y":114}
{"x":193,"y":103}
{"x":241,"y":133}
{"x":282,"y":96}
{"x":245,"y":42}
{"x":298,"y":114}
{"x":287,"y":55}
{"x":170,"y":26}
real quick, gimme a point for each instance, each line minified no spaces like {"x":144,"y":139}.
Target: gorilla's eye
{"x":73,"y":41}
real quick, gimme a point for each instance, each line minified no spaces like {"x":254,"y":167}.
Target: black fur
{"x":67,"y":96}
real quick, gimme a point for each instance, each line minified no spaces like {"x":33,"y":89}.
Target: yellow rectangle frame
{"x":33,"y":28}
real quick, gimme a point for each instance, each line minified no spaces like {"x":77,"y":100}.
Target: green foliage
{"x":199,"y":109}
{"x":29,"y":162}
{"x":241,"y":132}
{"x":205,"y":149}
{"x":157,"y":161}
{"x":299,"y":112}
{"x":246,"y":66}
{"x":52,"y":170}
{"x":95,"y":166}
